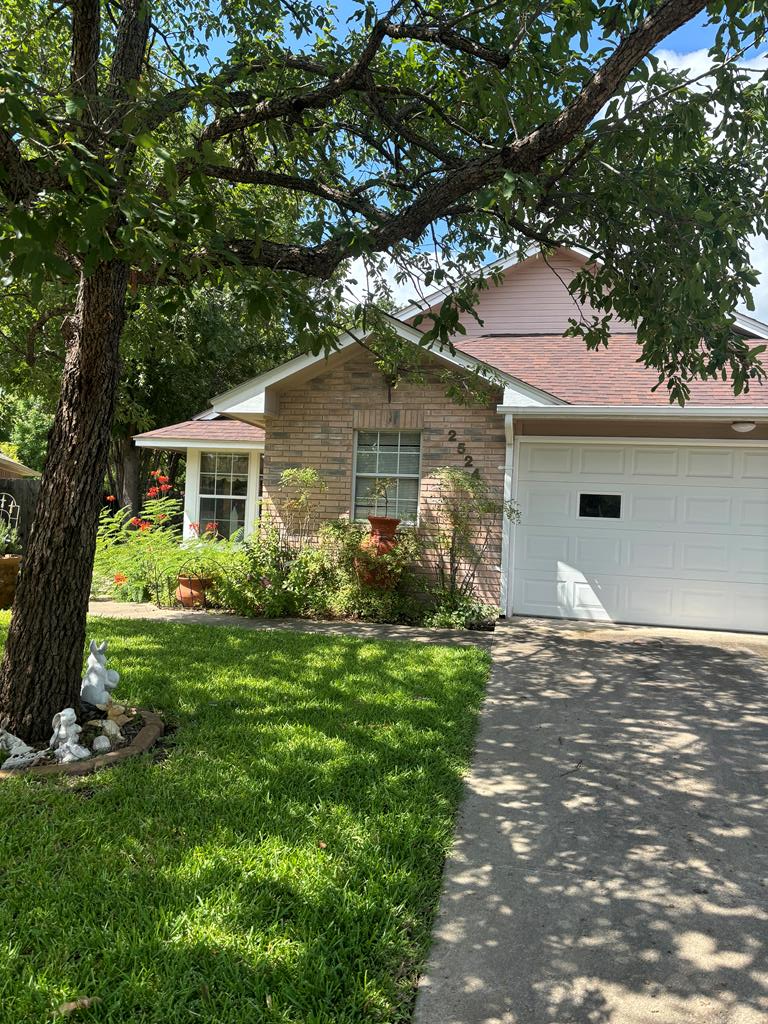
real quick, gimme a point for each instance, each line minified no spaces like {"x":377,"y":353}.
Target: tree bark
{"x":43,"y":661}
{"x":130,"y":474}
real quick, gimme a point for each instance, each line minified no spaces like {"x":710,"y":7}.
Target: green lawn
{"x":282,"y":863}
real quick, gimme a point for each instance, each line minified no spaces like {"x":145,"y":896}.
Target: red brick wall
{"x":318,"y":418}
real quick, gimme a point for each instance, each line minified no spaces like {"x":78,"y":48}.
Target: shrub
{"x":458,"y":531}
{"x":460,"y":612}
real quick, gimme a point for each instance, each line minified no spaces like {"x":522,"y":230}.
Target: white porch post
{"x":252,"y":508}
{"x":508,"y":527}
{"x":191,"y":492}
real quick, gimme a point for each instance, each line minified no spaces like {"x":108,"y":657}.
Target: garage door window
{"x":600,"y":506}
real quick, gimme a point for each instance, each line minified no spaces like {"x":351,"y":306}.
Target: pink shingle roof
{"x":221,"y":429}
{"x":565,"y":368}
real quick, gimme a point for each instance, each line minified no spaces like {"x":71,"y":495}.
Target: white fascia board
{"x":755,"y":328}
{"x":181,"y":444}
{"x":639,"y":412}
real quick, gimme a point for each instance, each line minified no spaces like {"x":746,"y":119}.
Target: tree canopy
{"x":161,"y":134}
{"x":147,"y":145}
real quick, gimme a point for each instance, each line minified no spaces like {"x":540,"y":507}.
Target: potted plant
{"x":10,"y":561}
{"x":383,"y":536}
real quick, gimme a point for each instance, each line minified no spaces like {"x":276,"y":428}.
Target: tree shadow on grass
{"x":282,"y":864}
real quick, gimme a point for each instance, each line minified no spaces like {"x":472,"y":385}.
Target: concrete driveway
{"x":611,"y":863}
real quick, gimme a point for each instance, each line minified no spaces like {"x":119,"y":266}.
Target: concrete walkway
{"x":361,"y":630}
{"x":611,"y":860}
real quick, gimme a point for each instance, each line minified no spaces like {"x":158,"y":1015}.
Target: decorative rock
{"x":99,"y":681}
{"x":101,"y":745}
{"x":111,"y":730}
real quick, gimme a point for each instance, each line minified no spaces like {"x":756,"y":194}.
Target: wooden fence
{"x":24,"y":491}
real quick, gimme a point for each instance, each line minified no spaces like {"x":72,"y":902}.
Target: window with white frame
{"x":223,"y":492}
{"x":392,"y":455}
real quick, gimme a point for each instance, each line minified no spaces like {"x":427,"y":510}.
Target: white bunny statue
{"x":99,"y":681}
{"x":66,"y":733}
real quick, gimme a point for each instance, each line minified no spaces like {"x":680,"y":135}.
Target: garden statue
{"x":11,"y":743}
{"x":23,"y":760}
{"x":66,"y":733}
{"x":99,"y":681}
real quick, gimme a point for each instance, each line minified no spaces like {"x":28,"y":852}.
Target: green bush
{"x":328,"y":578}
{"x":460,"y":611}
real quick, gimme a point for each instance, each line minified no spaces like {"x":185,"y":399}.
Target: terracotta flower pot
{"x":383,"y":535}
{"x":9,"y":574}
{"x":190,"y":592}
{"x":380,"y":541}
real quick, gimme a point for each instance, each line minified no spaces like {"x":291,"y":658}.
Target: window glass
{"x":394,"y":456}
{"x":600,"y":506}
{"x":223,"y":492}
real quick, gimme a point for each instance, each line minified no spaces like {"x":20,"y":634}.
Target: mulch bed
{"x":142,"y":733}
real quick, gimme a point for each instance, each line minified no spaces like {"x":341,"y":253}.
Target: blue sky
{"x":684,"y":48}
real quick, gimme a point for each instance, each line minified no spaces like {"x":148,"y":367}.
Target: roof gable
{"x":251,"y":400}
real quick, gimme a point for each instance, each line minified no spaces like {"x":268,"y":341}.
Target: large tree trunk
{"x":43,"y":660}
{"x":130,"y":473}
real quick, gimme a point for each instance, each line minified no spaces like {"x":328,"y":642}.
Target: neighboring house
{"x":10,"y":469}
{"x":632,"y":510}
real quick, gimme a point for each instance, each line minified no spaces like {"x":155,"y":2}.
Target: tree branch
{"x":293,"y":183}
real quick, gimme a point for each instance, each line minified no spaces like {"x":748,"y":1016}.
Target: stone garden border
{"x":152,"y":729}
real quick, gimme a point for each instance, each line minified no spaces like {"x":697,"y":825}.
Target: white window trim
{"x":392,"y":476}
{"x":192,"y":489}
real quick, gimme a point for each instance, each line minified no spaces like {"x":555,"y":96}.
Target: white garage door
{"x":649,"y":533}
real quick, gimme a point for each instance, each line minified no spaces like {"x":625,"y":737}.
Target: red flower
{"x":194,"y":527}
{"x":211,"y":527}
{"x":164,"y":488}
{"x":144,"y":525}
{"x":120,"y":578}
{"x":111,"y":497}
{"x":162,"y":479}
{"x":154,"y":472}
{"x":153,"y":492}
{"x":135,"y":521}
{"x":162,"y":517}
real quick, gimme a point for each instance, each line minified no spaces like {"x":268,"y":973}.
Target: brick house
{"x":631,"y":509}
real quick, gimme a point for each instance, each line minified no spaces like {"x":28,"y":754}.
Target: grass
{"x":281,"y":864}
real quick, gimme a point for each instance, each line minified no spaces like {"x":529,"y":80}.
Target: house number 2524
{"x":461,"y":449}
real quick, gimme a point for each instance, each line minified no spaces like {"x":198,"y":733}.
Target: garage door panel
{"x":651,"y":508}
{"x":705,"y":510}
{"x":655,"y":461}
{"x":709,"y":463}
{"x":755,"y":466}
{"x":690,"y":547}
{"x":602,"y":461}
{"x":712,"y":557}
{"x":597,"y":552}
{"x":649,"y":556}
{"x":549,"y":459}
